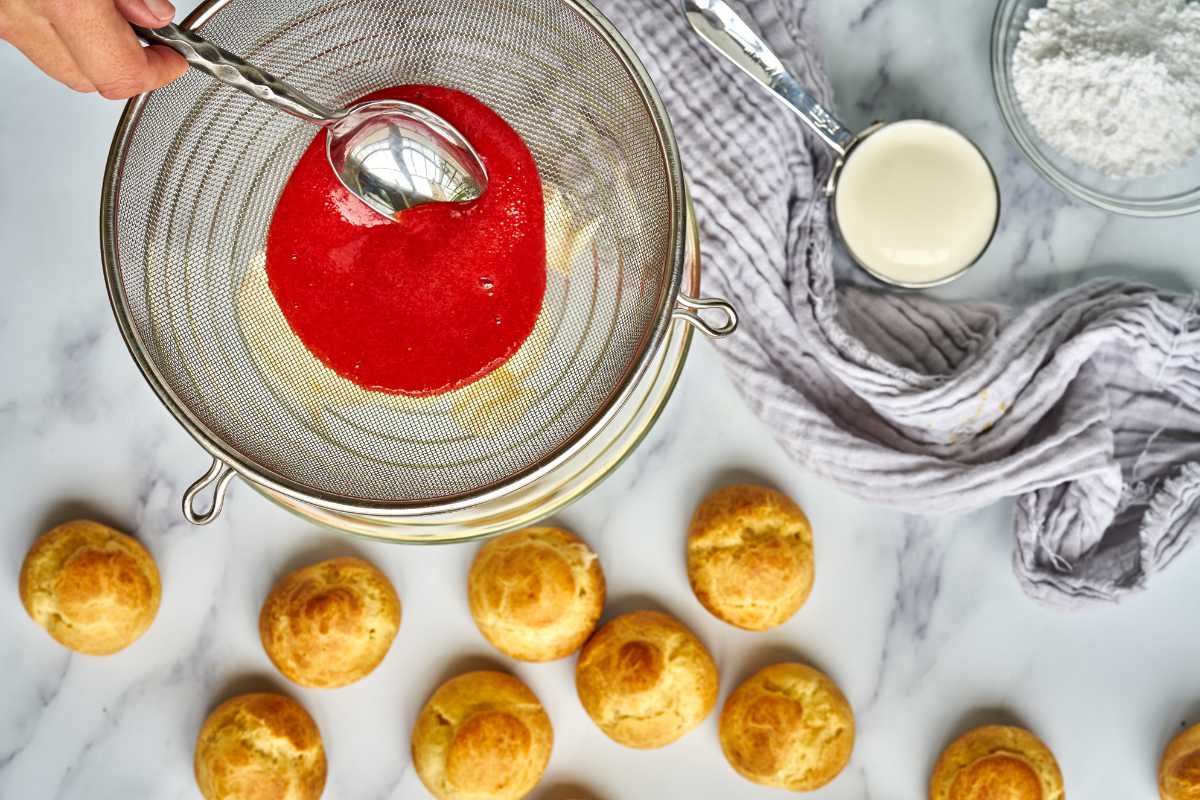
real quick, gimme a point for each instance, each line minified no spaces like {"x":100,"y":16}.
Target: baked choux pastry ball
{"x":788,"y":726}
{"x":329,"y":624}
{"x":262,"y":746}
{"x":536,"y":594}
{"x":1179,"y":771}
{"x":996,"y":761}
{"x":646,"y":680}
{"x":482,"y":735}
{"x":750,"y":556}
{"x":92,"y":588}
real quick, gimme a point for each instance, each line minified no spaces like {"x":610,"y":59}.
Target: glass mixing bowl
{"x":1171,"y":194}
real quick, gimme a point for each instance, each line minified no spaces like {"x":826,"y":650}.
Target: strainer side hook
{"x":219,"y":475}
{"x":689,"y":309}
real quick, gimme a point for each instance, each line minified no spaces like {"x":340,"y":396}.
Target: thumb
{"x":147,"y":13}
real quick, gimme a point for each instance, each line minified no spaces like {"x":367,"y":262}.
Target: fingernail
{"x":161,"y":9}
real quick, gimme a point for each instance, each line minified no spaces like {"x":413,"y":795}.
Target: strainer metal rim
{"x":234,"y":460}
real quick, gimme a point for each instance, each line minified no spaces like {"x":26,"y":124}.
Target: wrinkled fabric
{"x":1085,"y":405}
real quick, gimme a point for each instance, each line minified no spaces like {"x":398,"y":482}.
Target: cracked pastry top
{"x":94,"y":589}
{"x":646,"y":680}
{"x":536,"y":594}
{"x":996,"y":761}
{"x":482,"y":734}
{"x":260,"y":745}
{"x":750,"y":556}
{"x":788,"y":726}
{"x":1179,"y":771}
{"x":330,"y":624}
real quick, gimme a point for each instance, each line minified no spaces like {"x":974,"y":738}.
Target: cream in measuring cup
{"x":915,"y":201}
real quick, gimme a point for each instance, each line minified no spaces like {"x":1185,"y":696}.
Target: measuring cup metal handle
{"x":232,"y":70}
{"x":719,"y":25}
{"x":824,"y":124}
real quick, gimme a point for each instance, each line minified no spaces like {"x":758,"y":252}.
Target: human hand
{"x":88,"y":44}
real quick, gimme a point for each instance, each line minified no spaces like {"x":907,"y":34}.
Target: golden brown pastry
{"x":536,"y":594}
{"x":260,"y":747}
{"x":330,"y":624}
{"x":93,"y":588}
{"x":750,"y":556}
{"x":482,"y":735}
{"x":1179,"y":771}
{"x":788,"y":726}
{"x":996,"y":761}
{"x":645,"y":680}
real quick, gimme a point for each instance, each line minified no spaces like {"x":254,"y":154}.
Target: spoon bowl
{"x":393,"y":155}
{"x":396,"y":155}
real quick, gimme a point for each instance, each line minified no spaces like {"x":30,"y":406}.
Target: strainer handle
{"x":233,"y":70}
{"x":220,"y":474}
{"x":689,"y":309}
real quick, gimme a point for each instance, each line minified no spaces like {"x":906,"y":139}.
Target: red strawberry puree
{"x":428,"y":303}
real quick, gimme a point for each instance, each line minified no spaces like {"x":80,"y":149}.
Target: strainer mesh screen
{"x":203,"y":167}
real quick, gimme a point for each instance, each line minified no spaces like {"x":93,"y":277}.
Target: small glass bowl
{"x":1171,"y":194}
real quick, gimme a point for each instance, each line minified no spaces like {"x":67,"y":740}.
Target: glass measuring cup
{"x":915,"y":202}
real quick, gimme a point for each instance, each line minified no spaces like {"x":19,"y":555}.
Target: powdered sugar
{"x":1113,"y":84}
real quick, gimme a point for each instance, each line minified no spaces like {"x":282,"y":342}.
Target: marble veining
{"x":918,"y":618}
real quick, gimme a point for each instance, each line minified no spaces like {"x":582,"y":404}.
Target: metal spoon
{"x":721,"y":27}
{"x":391,"y":154}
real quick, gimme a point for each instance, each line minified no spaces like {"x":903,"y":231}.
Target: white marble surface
{"x":919,"y":619}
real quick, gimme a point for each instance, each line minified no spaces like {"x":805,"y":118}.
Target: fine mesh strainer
{"x":193,"y":176}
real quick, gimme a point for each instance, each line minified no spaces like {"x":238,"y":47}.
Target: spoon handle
{"x":721,"y":27}
{"x":233,"y":70}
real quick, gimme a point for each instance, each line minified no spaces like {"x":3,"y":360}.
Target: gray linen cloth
{"x":1085,"y":405}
